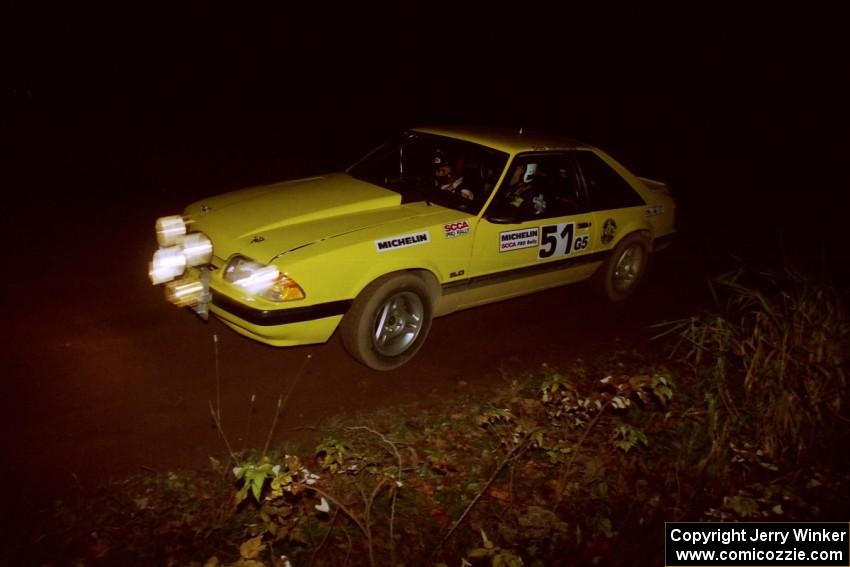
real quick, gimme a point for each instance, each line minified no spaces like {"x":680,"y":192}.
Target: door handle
{"x":585,"y":224}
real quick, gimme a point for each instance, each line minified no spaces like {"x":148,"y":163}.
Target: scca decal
{"x":453,"y":229}
{"x":517,"y":239}
{"x":402,"y":241}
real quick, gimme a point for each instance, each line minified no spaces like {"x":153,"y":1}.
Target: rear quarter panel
{"x":657,"y":217}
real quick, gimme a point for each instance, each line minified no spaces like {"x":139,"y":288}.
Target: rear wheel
{"x":388,"y":321}
{"x":621,"y":273}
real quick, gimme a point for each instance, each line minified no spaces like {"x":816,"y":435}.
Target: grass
{"x":772,"y":360}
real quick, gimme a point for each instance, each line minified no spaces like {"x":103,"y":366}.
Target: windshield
{"x":422,"y":167}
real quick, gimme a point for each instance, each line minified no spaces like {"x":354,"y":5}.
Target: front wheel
{"x":621,"y":273}
{"x":388,"y":321}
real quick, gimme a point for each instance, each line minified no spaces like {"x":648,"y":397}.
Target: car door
{"x":536,"y":233}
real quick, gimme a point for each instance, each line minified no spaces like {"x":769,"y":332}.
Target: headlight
{"x":266,"y":281}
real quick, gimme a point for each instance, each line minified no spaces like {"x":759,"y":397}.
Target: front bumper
{"x":275,"y":317}
{"x":288,"y":326}
{"x":305,"y":332}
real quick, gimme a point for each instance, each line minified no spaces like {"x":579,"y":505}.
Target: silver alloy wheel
{"x":397,"y":323}
{"x":629,"y":267}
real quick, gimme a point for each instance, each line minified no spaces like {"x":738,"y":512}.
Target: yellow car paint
{"x":335,"y":234}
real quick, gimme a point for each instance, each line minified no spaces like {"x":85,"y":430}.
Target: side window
{"x":606,"y":189}
{"x":567,"y":195}
{"x":539,"y":186}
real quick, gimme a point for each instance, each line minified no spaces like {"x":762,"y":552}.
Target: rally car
{"x":433,"y":221}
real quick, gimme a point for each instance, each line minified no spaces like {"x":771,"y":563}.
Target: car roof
{"x":507,"y":140}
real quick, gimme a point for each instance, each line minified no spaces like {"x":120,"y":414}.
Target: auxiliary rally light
{"x":178,"y":250}
{"x":197,"y":248}
{"x":167,"y":264}
{"x":169,"y":229}
{"x":185,"y":292}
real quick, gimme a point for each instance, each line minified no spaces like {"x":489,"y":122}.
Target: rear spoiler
{"x":655,"y":185}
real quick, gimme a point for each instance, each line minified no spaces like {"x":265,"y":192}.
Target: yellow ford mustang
{"x":433,"y":221}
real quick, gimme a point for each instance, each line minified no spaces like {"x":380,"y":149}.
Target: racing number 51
{"x":560,"y":239}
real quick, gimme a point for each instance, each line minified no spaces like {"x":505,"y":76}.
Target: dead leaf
{"x":100,"y":548}
{"x":297,"y":535}
{"x":441,"y":466}
{"x":499,"y":494}
{"x":441,"y":515}
{"x":252,"y":548}
{"x":142,"y":503}
{"x":323,"y":506}
{"x":551,"y":487}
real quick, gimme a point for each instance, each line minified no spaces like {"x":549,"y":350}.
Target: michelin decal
{"x":403,"y":241}
{"x":518,"y":239}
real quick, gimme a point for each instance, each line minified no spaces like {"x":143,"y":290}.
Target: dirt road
{"x":105,"y":379}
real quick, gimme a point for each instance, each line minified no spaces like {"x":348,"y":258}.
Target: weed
{"x":772,"y":362}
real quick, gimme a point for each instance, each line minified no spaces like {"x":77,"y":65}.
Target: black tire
{"x":388,"y":321}
{"x":620,"y":274}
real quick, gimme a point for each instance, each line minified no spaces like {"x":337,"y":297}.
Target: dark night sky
{"x":713,"y":99}
{"x":112,"y":115}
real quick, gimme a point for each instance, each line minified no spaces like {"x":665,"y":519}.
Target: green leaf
{"x":478,"y":552}
{"x":265,"y":469}
{"x":257,"y":488}
{"x":602,"y":489}
{"x":242,"y":494}
{"x":537,"y":437}
{"x":605,"y":526}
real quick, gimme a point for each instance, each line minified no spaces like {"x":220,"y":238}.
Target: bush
{"x":771,"y":362}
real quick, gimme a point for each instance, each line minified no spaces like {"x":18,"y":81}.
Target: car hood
{"x":265,"y":221}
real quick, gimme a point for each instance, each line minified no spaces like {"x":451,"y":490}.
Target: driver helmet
{"x":443,"y":167}
{"x":530,"y":171}
{"x":440,"y":159}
